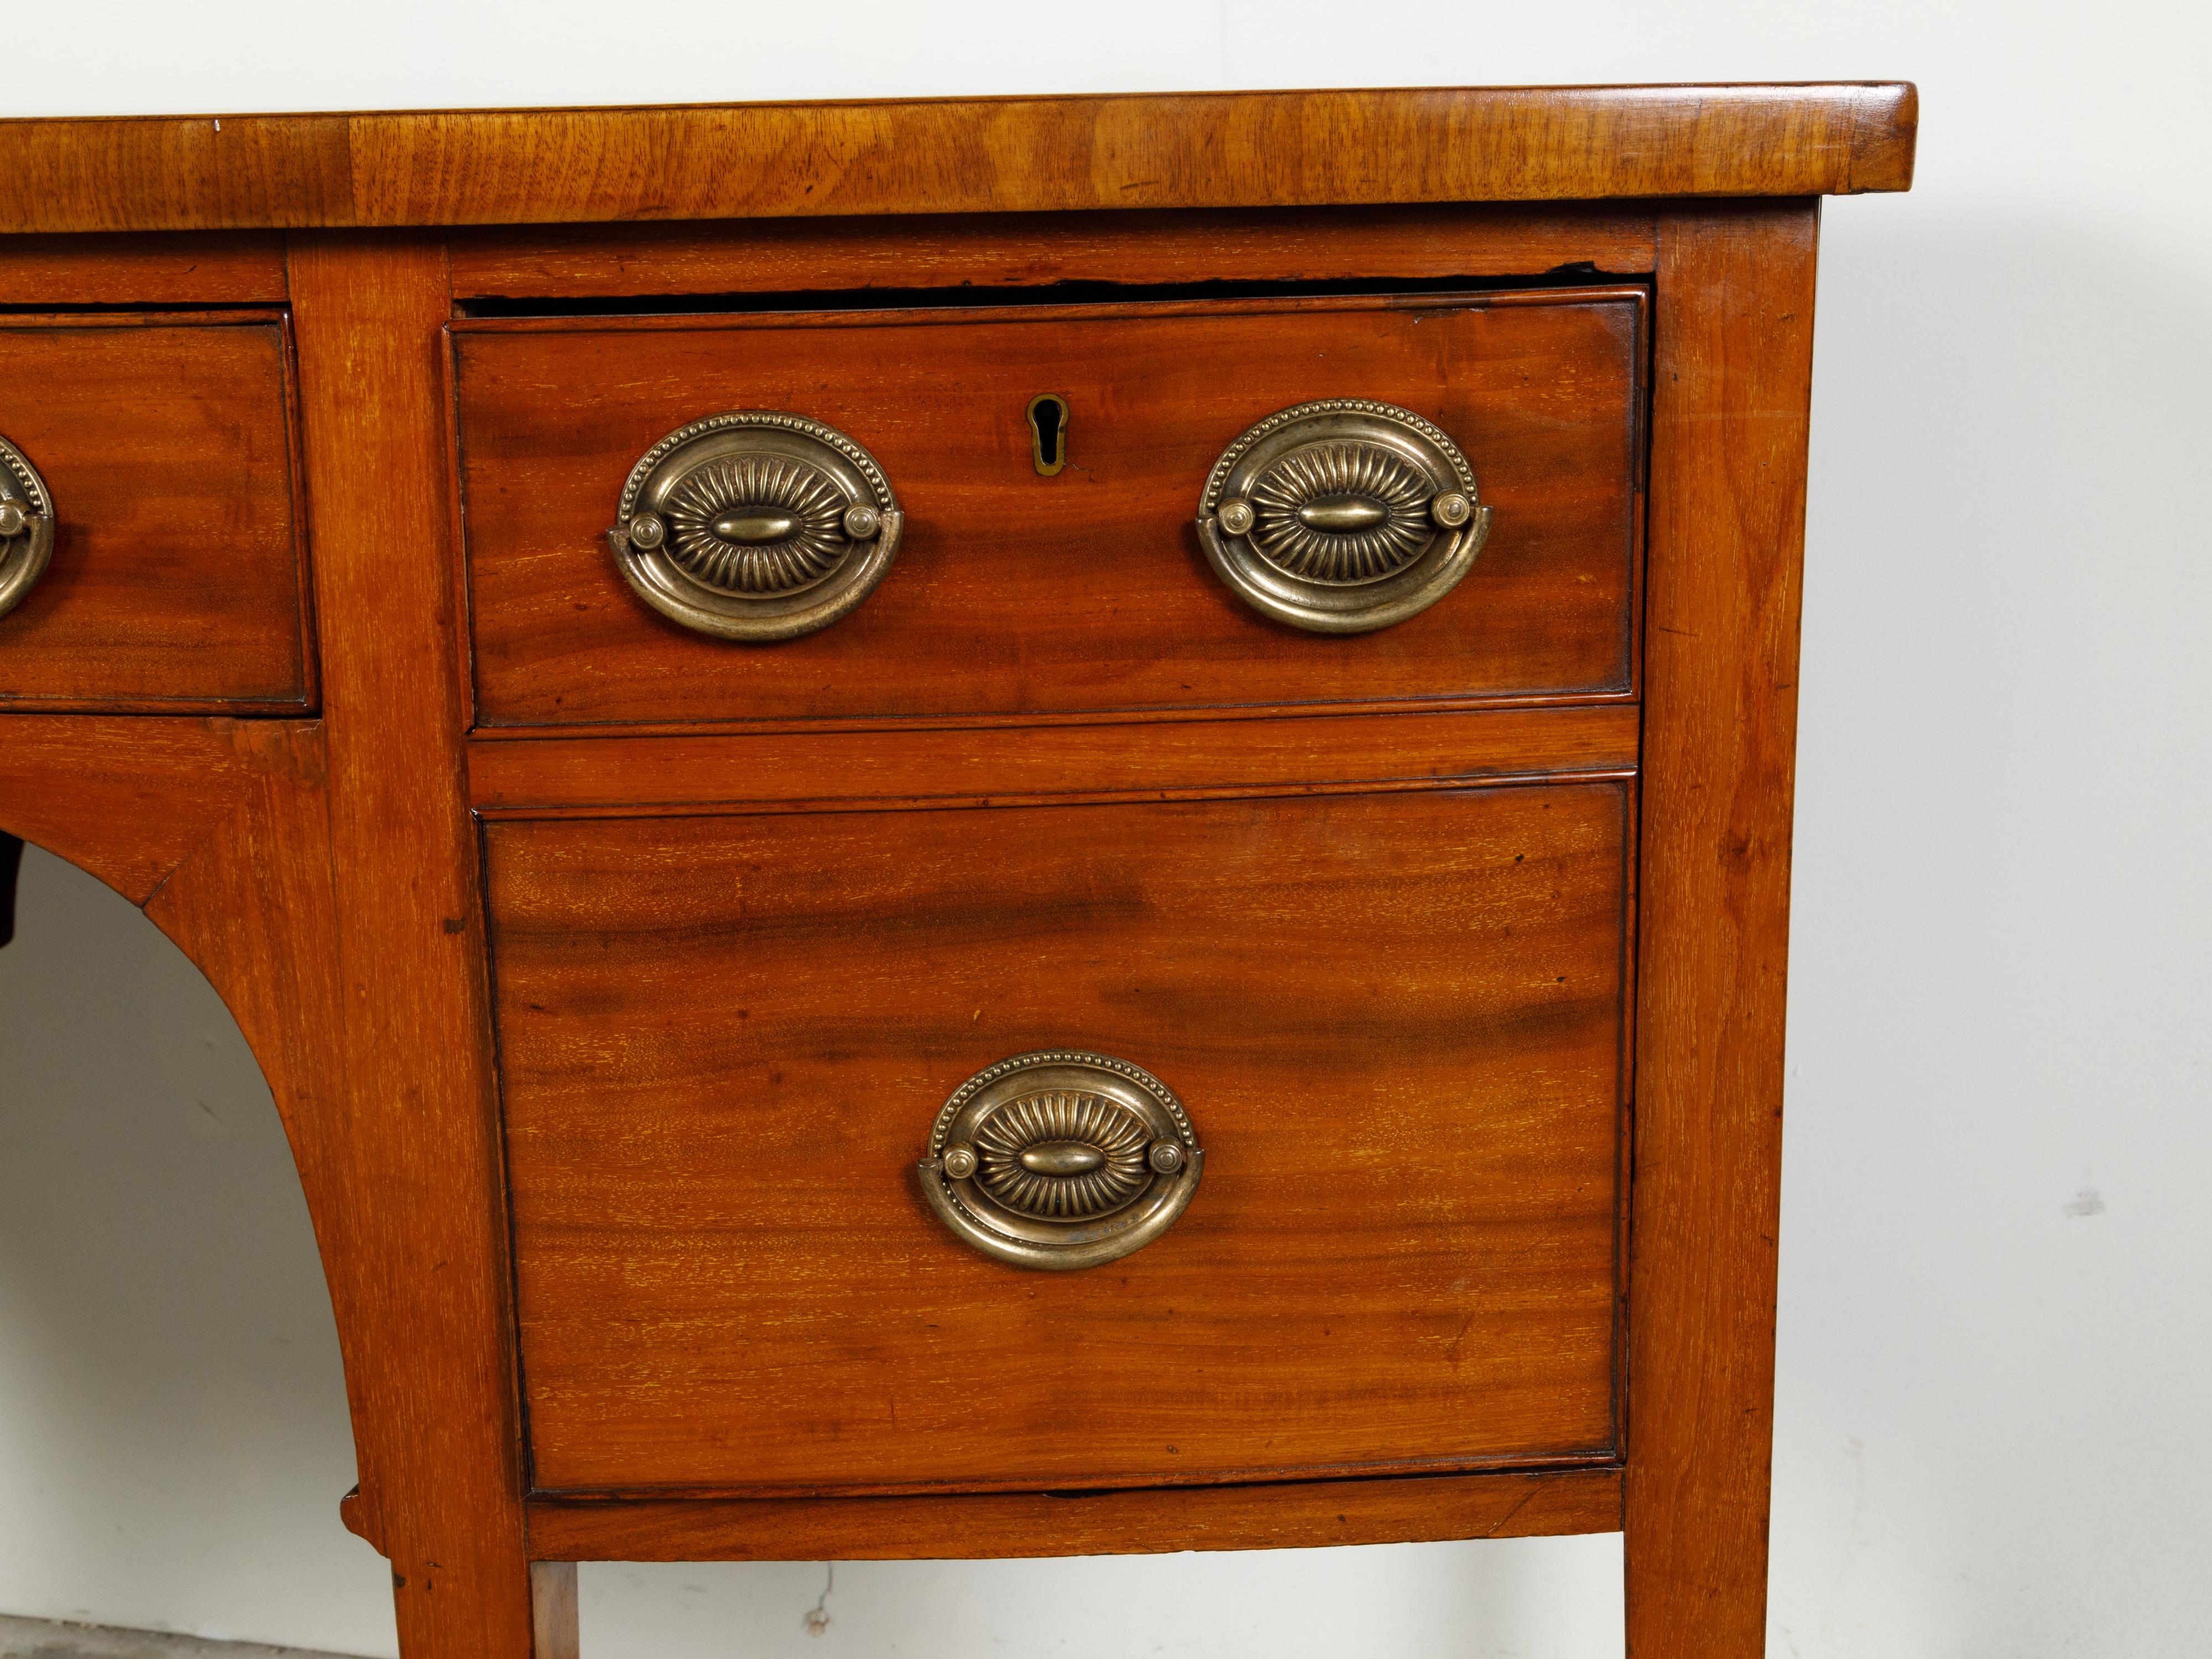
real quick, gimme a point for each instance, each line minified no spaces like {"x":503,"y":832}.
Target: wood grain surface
{"x":1395,"y":1018}
{"x":1730,"y":423}
{"x":1016,"y":594}
{"x":1010,"y":155}
{"x":1296,"y":1514}
{"x":178,"y":579}
{"x":442,"y":1481}
{"x":131,"y":820}
{"x":827,"y":770}
{"x":164,"y":270}
{"x":1038,"y":250}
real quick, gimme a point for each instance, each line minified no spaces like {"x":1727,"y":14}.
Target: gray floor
{"x":38,"y":1638}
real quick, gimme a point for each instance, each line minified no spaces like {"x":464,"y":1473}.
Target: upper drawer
{"x":1017,"y":592}
{"x":175,"y":580}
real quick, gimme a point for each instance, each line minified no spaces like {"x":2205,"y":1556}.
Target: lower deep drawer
{"x":1395,"y":1019}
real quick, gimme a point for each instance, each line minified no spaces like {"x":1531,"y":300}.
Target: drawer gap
{"x":1578,"y":275}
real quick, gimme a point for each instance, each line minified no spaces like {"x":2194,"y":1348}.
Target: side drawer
{"x":1013,"y":592}
{"x":1395,"y":1019}
{"x":176,"y":581}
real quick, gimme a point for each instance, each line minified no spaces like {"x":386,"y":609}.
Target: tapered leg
{"x":553,"y":1608}
{"x":1733,"y":329}
{"x":436,"y":1422}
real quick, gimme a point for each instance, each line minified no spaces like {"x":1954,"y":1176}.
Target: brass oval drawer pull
{"x":27,"y":525}
{"x":756,"y":524}
{"x":1060,"y":1159}
{"x":1342,"y":516}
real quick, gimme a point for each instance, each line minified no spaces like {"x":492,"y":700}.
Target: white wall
{"x":1996,"y":1327}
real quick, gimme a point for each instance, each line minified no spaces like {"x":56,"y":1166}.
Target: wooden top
{"x":955,"y":155}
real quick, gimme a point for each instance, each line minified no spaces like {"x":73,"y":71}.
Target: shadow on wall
{"x":2002,"y":947}
{"x":174,"y":1437}
{"x":1512,"y":1598}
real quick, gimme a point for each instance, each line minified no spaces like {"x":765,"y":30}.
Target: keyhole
{"x":1048,"y":432}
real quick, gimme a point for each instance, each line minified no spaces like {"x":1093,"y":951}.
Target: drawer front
{"x":175,"y":580}
{"x":1393,"y":1019}
{"x":1015,"y":592}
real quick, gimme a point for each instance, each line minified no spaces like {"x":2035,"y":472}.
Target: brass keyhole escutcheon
{"x":1047,"y":417}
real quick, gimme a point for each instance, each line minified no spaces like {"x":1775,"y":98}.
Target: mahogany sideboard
{"x":965,"y":828}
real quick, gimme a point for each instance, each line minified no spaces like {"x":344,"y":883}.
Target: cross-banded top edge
{"x":955,"y":155}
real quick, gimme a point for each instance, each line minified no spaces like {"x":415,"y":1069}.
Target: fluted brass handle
{"x":27,"y":525}
{"x":1060,"y":1159}
{"x":756,"y":524}
{"x":1343,"y":516}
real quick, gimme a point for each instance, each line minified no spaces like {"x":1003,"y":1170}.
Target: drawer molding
{"x":831,"y":771}
{"x":1263,"y":1514}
